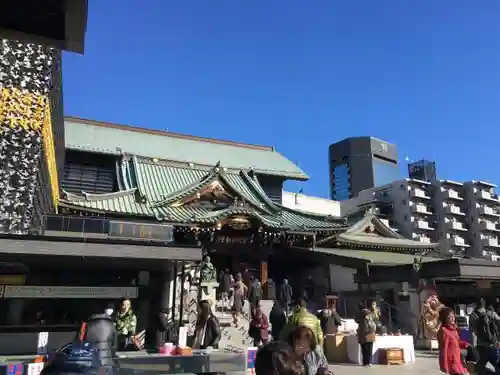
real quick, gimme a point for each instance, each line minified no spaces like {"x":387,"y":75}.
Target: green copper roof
{"x":121,"y":202}
{"x":154,"y":188}
{"x":380,"y":258}
{"x":94,"y":136}
{"x":169,"y":193}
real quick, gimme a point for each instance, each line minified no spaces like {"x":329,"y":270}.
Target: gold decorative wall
{"x":50,"y":154}
{"x":25,"y":122}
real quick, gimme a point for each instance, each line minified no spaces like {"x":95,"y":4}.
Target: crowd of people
{"x":458,"y":356}
{"x":299,"y":335}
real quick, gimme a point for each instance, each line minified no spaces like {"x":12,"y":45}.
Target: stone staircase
{"x":233,"y":338}
{"x":237,"y":339}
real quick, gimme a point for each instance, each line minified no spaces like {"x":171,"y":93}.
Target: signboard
{"x":109,"y":292}
{"x":12,"y":279}
{"x":43,"y":340}
{"x":35,"y":368}
{"x":15,"y":369}
{"x":251,"y":354}
{"x":141,"y":231}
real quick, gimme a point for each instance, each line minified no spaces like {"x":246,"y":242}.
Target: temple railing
{"x":104,"y":228}
{"x":75,"y":226}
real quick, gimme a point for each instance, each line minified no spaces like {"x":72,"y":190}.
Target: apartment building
{"x":405,"y":204}
{"x":451,"y":219}
{"x":483,"y":217}
{"x":323,"y":206}
{"x":412,"y":213}
{"x":463,"y":217}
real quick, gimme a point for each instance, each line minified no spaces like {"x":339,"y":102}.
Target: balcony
{"x":490,"y":242}
{"x":453,"y":210}
{"x":421,"y":238}
{"x":421,"y":209}
{"x":486,"y":195}
{"x":488,"y":226}
{"x":422,"y":224}
{"x":485,"y":210}
{"x":452,"y":194}
{"x":457,"y":241}
{"x":387,"y":223}
{"x":456,"y":225}
{"x":419,"y":193}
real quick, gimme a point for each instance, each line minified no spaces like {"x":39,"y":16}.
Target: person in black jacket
{"x":255,"y":292}
{"x":165,"y":329}
{"x":277,"y":318}
{"x":100,"y":331}
{"x":330,"y":319}
{"x":207,"y":331}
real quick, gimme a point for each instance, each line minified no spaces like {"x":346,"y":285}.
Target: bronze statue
{"x":376,"y":313}
{"x":208,"y":273}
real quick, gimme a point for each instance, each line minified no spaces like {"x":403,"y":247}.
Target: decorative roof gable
{"x":176,"y":194}
{"x":372,"y":232}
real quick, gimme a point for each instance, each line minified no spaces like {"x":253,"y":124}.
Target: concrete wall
{"x":342,"y":279}
{"x":308,"y":203}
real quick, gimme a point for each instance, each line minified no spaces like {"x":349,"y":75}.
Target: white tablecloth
{"x":402,"y":342}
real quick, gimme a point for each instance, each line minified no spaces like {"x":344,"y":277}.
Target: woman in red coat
{"x":259,"y":326}
{"x":450,"y":359}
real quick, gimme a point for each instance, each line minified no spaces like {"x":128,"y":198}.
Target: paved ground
{"x":424,"y":365}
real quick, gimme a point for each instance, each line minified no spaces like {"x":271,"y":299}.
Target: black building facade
{"x":31,"y":120}
{"x":424,"y":170}
{"x":360,"y":163}
{"x":32,"y":36}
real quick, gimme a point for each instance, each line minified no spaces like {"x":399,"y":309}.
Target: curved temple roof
{"x":162,"y":190}
{"x":159,"y":190}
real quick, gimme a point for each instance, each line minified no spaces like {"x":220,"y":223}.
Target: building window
{"x":384,"y":172}
{"x":404,"y":202}
{"x":91,"y":173}
{"x":341,"y":183}
{"x":406,"y":218}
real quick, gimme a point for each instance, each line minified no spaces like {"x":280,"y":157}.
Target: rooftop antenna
{"x":299,"y":191}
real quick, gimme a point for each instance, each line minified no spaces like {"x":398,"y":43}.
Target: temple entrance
{"x":294,"y":265}
{"x":235,"y":261}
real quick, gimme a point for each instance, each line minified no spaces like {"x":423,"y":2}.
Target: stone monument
{"x":208,"y":282}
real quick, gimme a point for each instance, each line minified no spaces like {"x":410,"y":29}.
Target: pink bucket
{"x":166,"y":349}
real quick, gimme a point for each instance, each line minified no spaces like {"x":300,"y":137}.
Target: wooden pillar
{"x":263,"y":273}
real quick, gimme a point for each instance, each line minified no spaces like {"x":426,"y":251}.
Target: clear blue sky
{"x":300,"y":75}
